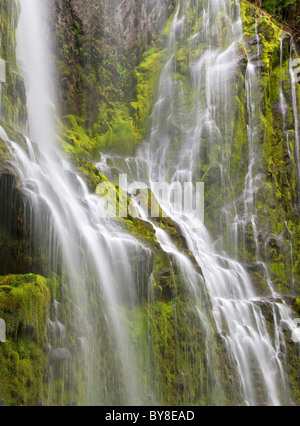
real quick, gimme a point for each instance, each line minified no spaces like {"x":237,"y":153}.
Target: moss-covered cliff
{"x":278,"y":196}
{"x":24,"y":299}
{"x":24,"y":305}
{"x":286,"y":13}
{"x":165,"y":323}
{"x":13,"y":99}
{"x":108,"y":60}
{"x":109,"y":56}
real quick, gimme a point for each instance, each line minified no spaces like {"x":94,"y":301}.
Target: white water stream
{"x":95,"y":255}
{"x":258,"y":357}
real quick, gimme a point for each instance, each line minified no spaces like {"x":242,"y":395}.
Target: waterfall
{"x":178,"y":320}
{"x":257,"y":356}
{"x":89,"y":254}
{"x":296,"y":117}
{"x":239,"y":319}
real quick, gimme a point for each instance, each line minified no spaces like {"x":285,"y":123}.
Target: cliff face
{"x":13,"y":117}
{"x":124,"y":20}
{"x":100,"y":44}
{"x":12,"y":96}
{"x":24,"y":299}
{"x":109,"y":53}
{"x":287,"y":12}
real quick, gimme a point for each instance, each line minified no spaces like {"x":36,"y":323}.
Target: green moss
{"x":28,"y":298}
{"x":296,"y":306}
{"x":173,"y":353}
{"x":146,"y":75}
{"x":120,"y":125}
{"x":122,"y":134}
{"x":4,"y":153}
{"x":169,"y":346}
{"x":276,"y":198}
{"x":13,"y":98}
{"x":91,"y":174}
{"x":24,"y":305}
{"x":107,"y":85}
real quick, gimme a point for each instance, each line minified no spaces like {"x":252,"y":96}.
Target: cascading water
{"x":296,"y":117}
{"x":225,"y":351}
{"x":80,"y":247}
{"x":258,"y":358}
{"x":238,"y":318}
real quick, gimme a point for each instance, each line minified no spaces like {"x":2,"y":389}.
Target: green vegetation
{"x":276,"y":200}
{"x":107,"y":96}
{"x":120,"y":125}
{"x":24,"y":305}
{"x":13,"y":98}
{"x":286,"y":11}
{"x":108,"y":85}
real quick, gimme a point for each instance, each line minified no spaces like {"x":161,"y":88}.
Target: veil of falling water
{"x":238,"y":316}
{"x":296,"y":116}
{"x":91,"y":255}
{"x":258,"y":358}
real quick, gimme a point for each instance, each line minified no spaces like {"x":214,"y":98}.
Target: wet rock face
{"x":98,"y":44}
{"x":12,"y":229}
{"x":136,"y":19}
{"x":124,"y":20}
{"x":17,"y":234}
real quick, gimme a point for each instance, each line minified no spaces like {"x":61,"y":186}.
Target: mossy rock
{"x":91,"y":174}
{"x":24,"y":305}
{"x":14,"y":136}
{"x":4,"y":154}
{"x":24,"y":301}
{"x":13,"y":97}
